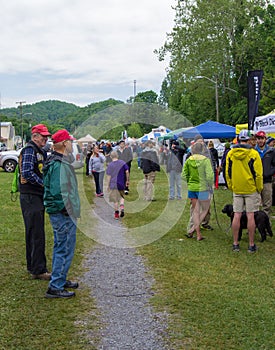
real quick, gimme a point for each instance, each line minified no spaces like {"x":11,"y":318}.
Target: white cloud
{"x":84,"y":43}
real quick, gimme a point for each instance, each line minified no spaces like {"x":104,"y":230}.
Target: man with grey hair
{"x":31,"y":187}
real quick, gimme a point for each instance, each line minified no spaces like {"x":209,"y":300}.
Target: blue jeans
{"x":64,"y":229}
{"x":174,"y":181}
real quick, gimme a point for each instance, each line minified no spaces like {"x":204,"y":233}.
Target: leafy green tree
{"x":146,"y":96}
{"x":219,"y":40}
{"x":134,"y":130}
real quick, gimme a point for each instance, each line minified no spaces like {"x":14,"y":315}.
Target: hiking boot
{"x":116,"y":215}
{"x":206,"y":227}
{"x":57,"y":293}
{"x":46,"y":276}
{"x":236,"y":247}
{"x":252,"y":248}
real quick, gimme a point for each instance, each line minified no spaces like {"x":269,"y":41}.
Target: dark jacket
{"x":268,"y":161}
{"x":214,"y":158}
{"x":149,"y":160}
{"x":175,"y":159}
{"x":61,"y":189}
{"x":31,"y":169}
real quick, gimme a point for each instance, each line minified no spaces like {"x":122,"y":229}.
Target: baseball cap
{"x":61,"y":135}
{"x":269,"y":139}
{"x":260,"y":134}
{"x":40,"y":129}
{"x":244,"y":135}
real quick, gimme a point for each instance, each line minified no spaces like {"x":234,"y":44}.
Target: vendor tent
{"x":86,"y":139}
{"x":209,"y":130}
{"x":172,"y":134}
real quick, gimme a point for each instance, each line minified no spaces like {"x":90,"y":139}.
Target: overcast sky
{"x":81,"y":51}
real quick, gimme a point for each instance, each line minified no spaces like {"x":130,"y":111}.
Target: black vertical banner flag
{"x":254,"y":82}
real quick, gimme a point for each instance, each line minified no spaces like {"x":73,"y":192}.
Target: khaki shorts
{"x":248,"y":202}
{"x":115,"y":196}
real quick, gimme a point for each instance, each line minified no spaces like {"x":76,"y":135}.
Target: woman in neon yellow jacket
{"x":198,"y":173}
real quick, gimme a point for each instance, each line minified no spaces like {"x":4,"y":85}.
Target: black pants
{"x":97,"y":185}
{"x":33,"y":214}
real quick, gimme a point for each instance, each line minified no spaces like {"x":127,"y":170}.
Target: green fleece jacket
{"x":198,"y":173}
{"x":60,"y":186}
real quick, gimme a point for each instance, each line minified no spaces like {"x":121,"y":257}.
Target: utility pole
{"x":135,"y":90}
{"x":21,"y":114}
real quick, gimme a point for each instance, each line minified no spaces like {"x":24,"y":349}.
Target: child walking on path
{"x":117,"y":178}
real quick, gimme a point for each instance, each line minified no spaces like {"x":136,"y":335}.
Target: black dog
{"x":261,"y":221}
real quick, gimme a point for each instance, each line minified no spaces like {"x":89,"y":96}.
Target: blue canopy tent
{"x":209,"y":130}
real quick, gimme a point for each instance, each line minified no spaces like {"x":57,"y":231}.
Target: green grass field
{"x":216,"y":299}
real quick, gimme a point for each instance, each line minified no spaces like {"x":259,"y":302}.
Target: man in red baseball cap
{"x":267,"y":155}
{"x":31,"y":187}
{"x":62,"y":203}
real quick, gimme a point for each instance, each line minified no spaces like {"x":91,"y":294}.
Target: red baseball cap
{"x":260,"y":134}
{"x":40,"y":129}
{"x":61,"y":135}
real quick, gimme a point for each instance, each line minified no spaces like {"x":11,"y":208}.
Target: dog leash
{"x":216,"y":215}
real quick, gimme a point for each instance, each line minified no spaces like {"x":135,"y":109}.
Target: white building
{"x":7,"y":133}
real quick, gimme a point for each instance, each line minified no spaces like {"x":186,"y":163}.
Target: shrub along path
{"x":122,"y":287}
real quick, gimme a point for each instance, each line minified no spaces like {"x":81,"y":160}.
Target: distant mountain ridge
{"x":57,"y":112}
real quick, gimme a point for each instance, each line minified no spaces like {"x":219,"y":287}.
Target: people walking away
{"x":215,"y":161}
{"x":149,"y":165}
{"x":198,"y":173}
{"x":62,"y":203}
{"x":223,"y":161}
{"x":117,"y":177}
{"x":88,"y":152}
{"x":267,"y":155}
{"x":31,"y":187}
{"x":174,"y":169}
{"x":96,"y":169}
{"x":244,"y":176}
{"x":125,"y":153}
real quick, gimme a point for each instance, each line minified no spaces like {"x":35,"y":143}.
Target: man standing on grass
{"x":244,"y":176}
{"x":31,"y":161}
{"x":267,"y":155}
{"x":62,"y":203}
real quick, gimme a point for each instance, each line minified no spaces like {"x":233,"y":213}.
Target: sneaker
{"x":116,"y":215}
{"x":206,"y":227}
{"x":252,"y":248}
{"x":122,"y":213}
{"x":236,"y":247}
{"x":57,"y":293}
{"x":100,"y":194}
{"x":46,"y":276}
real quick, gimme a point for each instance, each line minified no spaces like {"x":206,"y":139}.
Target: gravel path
{"x":122,"y":287}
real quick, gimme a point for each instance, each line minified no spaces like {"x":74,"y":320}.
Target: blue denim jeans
{"x":64,"y":229}
{"x":174,"y":181}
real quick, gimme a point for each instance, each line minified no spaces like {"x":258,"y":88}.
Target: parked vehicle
{"x":9,"y":159}
{"x":78,"y":156}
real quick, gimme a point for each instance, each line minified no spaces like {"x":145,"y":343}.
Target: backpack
{"x":15,"y":184}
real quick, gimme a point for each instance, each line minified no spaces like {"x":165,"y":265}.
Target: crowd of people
{"x":48,"y":183}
